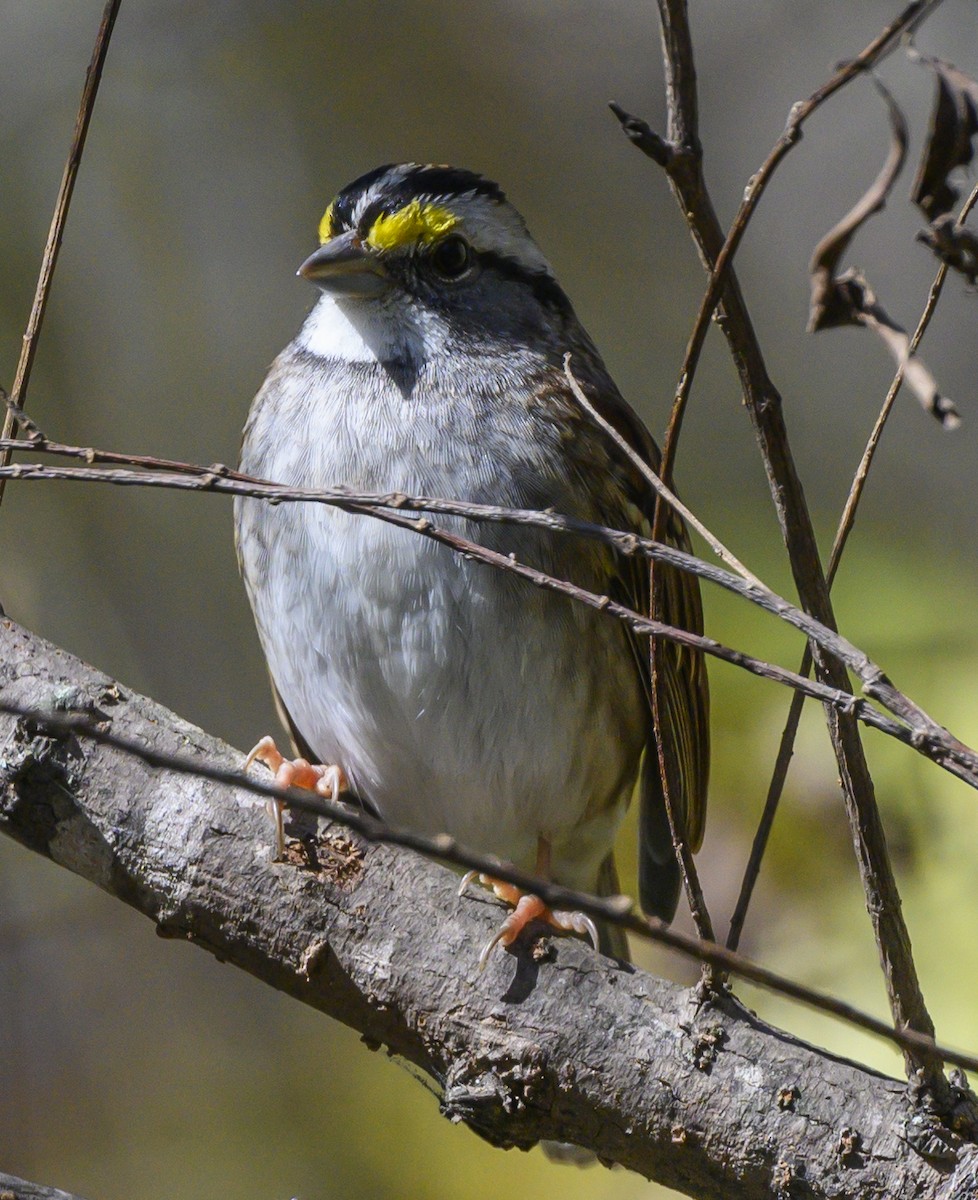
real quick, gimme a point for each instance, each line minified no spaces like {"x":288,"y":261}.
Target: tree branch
{"x":919,"y":731}
{"x":619,"y":910}
{"x":15,"y":410}
{"x":684,"y":168}
{"x":12,"y":1188}
{"x":560,"y":1044}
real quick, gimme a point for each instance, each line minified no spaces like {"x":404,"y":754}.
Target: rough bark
{"x":12,"y":1188}
{"x":552,"y":1043}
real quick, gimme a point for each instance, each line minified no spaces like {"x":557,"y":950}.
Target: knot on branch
{"x":850,"y":1148}
{"x":925,"y":1134}
{"x":488,"y":1095}
{"x":707,"y":1046}
{"x":944,"y":1115}
{"x":673,"y":157}
{"x":41,"y":772}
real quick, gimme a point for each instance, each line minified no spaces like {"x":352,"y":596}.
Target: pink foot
{"x":327,"y":781}
{"x":527,"y":908}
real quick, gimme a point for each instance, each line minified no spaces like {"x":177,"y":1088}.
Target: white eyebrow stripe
{"x":498,"y":227}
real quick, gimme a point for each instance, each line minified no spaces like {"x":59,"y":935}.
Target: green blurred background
{"x":136,"y":1069}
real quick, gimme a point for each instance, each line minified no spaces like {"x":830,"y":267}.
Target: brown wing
{"x":684,"y":701}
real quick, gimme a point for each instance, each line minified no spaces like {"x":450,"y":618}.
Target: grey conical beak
{"x":346,"y":266}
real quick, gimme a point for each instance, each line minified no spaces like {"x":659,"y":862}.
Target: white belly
{"x":457,"y":699}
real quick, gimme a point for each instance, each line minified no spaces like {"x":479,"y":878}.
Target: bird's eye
{"x":452,"y":257}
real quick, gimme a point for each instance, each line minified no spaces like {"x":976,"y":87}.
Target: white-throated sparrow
{"x":453,"y":697}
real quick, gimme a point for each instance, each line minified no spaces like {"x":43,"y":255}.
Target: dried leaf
{"x":848,"y":299}
{"x":953,"y":126}
{"x":828,"y":306}
{"x":953,"y":245}
{"x":866,"y":310}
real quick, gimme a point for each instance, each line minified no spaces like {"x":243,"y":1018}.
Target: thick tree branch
{"x":12,"y":1188}
{"x":618,"y":910}
{"x":561,"y":1044}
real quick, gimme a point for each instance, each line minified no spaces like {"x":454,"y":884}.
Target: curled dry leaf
{"x":950,"y":139}
{"x":831,"y":303}
{"x":954,"y":245}
{"x":848,"y":299}
{"x":853,"y":291}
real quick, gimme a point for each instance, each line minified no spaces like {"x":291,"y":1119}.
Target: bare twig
{"x":655,"y":482}
{"x":919,"y":731}
{"x":16,"y":415}
{"x":684,"y":154}
{"x":684,"y":168}
{"x":846,"y":523}
{"x":15,"y":407}
{"x":384,"y":508}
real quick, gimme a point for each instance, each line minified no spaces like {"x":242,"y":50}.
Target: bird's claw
{"x":327,"y":781}
{"x":528,"y":908}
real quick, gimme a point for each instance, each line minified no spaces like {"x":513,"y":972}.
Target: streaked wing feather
{"x":684,"y":694}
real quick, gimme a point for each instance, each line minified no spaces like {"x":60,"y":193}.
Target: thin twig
{"x":919,"y":731}
{"x":764,"y":407}
{"x":16,"y":415}
{"x":655,"y":482}
{"x":18,"y":396}
{"x":877,"y":49}
{"x":846,"y":523}
{"x":383,"y":508}
{"x":617,"y":910}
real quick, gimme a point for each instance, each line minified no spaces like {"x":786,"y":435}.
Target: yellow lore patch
{"x":326,"y":226}
{"x":415,"y":224}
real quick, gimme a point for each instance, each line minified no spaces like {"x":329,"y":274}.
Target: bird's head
{"x":445,"y":239}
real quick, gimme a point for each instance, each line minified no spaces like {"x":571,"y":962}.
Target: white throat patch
{"x":366,"y":330}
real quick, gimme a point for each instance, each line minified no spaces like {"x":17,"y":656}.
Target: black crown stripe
{"x":405,"y":182}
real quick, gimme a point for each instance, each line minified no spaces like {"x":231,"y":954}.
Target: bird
{"x":444,"y":695}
